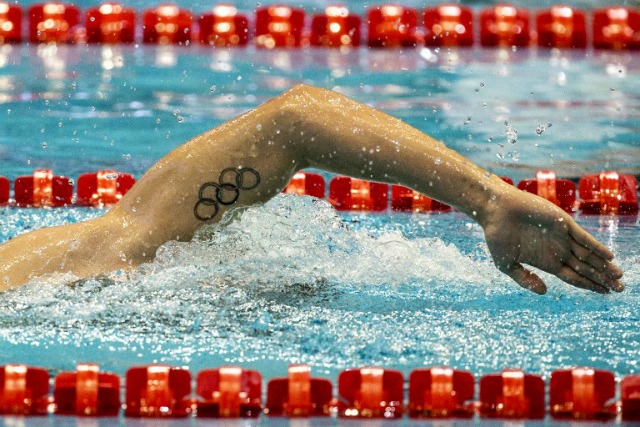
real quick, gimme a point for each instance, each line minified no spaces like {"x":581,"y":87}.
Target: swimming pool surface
{"x":293,"y":281}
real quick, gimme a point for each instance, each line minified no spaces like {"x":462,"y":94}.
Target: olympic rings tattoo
{"x":225,"y":192}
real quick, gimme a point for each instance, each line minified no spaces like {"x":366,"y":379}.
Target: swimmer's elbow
{"x":304,"y":91}
{"x":301,"y":98}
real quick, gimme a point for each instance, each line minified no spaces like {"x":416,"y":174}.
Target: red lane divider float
{"x":5,"y":185}
{"x":630,"y":398}
{"x":408,"y":200}
{"x":441,"y":392}
{"x":306,"y":183}
{"x":279,"y":26}
{"x":299,"y":395}
{"x":52,"y":22}
{"x":229,"y":392}
{"x":392,"y":26}
{"x":562,"y":27}
{"x":43,"y":189}
{"x":110,"y":23}
{"x":561,"y":192}
{"x":223,"y":26}
{"x":504,"y":25}
{"x":448,"y":25}
{"x":357,"y":195}
{"x":103,"y":188}
{"x":370,"y":393}
{"x":582,"y":393}
{"x":335,"y":28}
{"x":389,"y":25}
{"x":616,"y":28}
{"x":10,"y":23}
{"x":512,"y":394}
{"x":24,"y":390}
{"x":87,"y":392}
{"x":157,"y":391}
{"x":167,"y":24}
{"x":607,"y":193}
{"x":160,"y":391}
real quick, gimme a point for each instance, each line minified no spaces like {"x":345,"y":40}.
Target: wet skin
{"x":311,"y":127}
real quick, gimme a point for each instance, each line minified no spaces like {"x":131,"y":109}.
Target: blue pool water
{"x":293,"y":281}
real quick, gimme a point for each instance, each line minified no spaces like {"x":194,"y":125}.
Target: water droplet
{"x":378,"y":148}
{"x":512,"y":133}
{"x":213,"y":88}
{"x":44,"y":144}
{"x":122,"y":256}
{"x":258,"y":127}
{"x":437,"y":160}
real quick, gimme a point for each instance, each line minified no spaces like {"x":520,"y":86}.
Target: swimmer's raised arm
{"x":251,"y":158}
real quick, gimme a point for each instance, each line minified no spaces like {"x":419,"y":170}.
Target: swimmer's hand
{"x":526,"y":229}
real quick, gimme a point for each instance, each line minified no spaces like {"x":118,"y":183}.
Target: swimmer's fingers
{"x":594,"y":275}
{"x":582,"y":237}
{"x":525,"y":278}
{"x":576,"y":279}
{"x":602,"y":265}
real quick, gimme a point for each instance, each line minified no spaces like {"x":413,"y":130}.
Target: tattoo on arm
{"x":225,"y":192}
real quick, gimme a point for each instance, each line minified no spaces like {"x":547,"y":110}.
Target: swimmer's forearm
{"x":349,"y":138}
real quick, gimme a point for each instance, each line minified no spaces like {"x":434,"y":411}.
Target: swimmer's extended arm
{"x":251,"y":158}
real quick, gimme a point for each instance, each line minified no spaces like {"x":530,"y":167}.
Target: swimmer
{"x":251,"y":158}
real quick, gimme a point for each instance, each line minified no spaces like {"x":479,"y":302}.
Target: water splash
{"x":293,"y":281}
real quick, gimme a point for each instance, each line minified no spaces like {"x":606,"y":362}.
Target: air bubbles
{"x":178,"y":116}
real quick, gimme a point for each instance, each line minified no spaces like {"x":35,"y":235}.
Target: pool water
{"x":293,"y":281}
